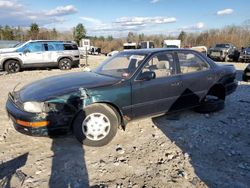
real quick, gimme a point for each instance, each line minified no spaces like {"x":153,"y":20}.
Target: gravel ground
{"x":181,"y":150}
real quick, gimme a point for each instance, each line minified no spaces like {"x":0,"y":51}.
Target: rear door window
{"x":54,"y":46}
{"x":70,"y":47}
{"x":190,"y":62}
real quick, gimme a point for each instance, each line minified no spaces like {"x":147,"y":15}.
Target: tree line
{"x":34,"y":32}
{"x":21,"y":34}
{"x":238,"y":35}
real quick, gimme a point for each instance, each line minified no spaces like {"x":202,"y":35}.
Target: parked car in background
{"x":94,"y":50}
{"x":246,"y":74}
{"x":245,"y":55}
{"x":112,"y":53}
{"x":38,"y":54}
{"x":224,"y":52}
{"x":130,"y":85}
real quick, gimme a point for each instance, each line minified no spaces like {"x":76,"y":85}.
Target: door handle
{"x":176,"y":83}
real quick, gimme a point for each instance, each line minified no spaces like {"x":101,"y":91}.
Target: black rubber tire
{"x":65,"y":64}
{"x":95,"y":108}
{"x":209,"y":106}
{"x":12,"y":66}
{"x":245,"y":78}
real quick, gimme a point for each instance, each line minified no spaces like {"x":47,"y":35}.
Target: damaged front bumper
{"x":36,"y":124}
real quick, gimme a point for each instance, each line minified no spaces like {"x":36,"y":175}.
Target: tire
{"x":96,"y":125}
{"x":210,"y":104}
{"x":245,"y":78}
{"x":12,"y":66}
{"x":65,"y":64}
{"x":236,"y":59}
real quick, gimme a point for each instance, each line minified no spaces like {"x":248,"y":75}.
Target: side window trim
{"x":154,"y":55}
{"x":197,"y":55}
{"x":201,"y":58}
{"x":34,"y":43}
{"x":45,"y":47}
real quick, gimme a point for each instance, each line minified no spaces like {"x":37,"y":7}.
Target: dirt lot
{"x":185,"y":150}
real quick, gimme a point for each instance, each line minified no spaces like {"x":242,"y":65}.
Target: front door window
{"x":34,"y":47}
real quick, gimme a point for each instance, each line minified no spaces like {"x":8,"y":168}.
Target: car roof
{"x":155,"y":50}
{"x":64,"y":41}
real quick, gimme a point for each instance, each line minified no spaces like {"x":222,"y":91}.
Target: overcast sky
{"x":118,"y":17}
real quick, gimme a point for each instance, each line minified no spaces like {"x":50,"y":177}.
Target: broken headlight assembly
{"x":34,"y":107}
{"x":65,"y":104}
{"x":39,"y":107}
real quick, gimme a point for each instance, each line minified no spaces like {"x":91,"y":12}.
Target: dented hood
{"x":56,"y":86}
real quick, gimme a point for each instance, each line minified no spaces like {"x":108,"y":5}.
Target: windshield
{"x":222,"y":46}
{"x":121,"y":65}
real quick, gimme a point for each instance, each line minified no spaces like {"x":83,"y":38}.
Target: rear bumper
{"x":76,"y":63}
{"x":231,"y":87}
{"x":246,"y":76}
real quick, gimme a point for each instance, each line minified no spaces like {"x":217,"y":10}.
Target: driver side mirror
{"x":146,"y":76}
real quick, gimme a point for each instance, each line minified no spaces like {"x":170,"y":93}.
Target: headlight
{"x":35,"y":107}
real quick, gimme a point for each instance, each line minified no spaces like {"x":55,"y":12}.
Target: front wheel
{"x":65,"y":64}
{"x":96,"y":125}
{"x":12,"y":66}
{"x":210,"y":104}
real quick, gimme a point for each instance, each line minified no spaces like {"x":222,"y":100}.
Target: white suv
{"x":40,"y":53}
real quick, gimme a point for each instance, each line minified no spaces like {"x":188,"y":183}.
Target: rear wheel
{"x":96,"y":125}
{"x":246,"y":78}
{"x":65,"y":64}
{"x":210,"y":104}
{"x":12,"y":66}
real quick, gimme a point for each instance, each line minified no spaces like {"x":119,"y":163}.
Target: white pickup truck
{"x":171,"y":43}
